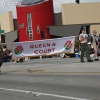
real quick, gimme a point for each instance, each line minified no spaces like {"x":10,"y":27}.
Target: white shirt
{"x":81,"y":36}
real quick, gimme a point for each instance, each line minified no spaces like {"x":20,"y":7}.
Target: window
{"x":29,"y":30}
{"x":29,"y":27}
{"x":42,"y":34}
{"x":29,"y":19}
{"x":30,"y":36}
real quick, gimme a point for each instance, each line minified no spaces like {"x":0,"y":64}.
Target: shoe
{"x":90,"y":60}
{"x":82,"y":60}
{"x":96,"y":59}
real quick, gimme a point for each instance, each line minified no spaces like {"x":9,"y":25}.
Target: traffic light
{"x":77,"y":1}
{"x":42,"y":34}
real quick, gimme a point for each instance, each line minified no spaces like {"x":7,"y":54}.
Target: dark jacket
{"x":1,"y":57}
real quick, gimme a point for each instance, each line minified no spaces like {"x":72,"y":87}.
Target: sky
{"x":57,"y":5}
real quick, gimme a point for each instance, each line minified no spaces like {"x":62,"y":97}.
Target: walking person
{"x":99,"y":40}
{"x":95,"y":44}
{"x":83,"y":38}
{"x":1,"y":57}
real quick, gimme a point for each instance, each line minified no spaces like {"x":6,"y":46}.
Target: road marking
{"x":43,"y":94}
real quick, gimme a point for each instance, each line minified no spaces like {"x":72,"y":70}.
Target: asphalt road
{"x":50,"y":79}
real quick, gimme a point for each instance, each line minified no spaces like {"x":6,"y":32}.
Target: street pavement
{"x":50,"y":79}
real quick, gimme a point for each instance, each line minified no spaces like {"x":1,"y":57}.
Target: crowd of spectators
{"x":91,"y":48}
{"x":7,"y":55}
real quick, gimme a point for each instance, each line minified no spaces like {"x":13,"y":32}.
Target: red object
{"x":42,"y":15}
{"x":68,"y":44}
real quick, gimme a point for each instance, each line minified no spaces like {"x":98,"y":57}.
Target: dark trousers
{"x":84,"y":49}
{"x":1,"y":64}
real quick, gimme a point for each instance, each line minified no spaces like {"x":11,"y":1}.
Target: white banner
{"x":44,"y":47}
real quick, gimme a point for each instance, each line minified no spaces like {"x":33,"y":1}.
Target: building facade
{"x":9,"y":34}
{"x":37,"y":21}
{"x":83,"y":13}
{"x":74,"y":17}
{"x":33,"y":18}
{"x":6,"y":22}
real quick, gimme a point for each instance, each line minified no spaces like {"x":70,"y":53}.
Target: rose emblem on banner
{"x":18,"y":50}
{"x":68,"y":45}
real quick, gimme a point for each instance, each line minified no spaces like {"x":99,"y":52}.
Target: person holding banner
{"x":1,"y":57}
{"x":83,"y":38}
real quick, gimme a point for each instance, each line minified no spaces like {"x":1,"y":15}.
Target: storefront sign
{"x":44,"y":47}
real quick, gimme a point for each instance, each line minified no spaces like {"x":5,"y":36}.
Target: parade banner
{"x":44,"y":47}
